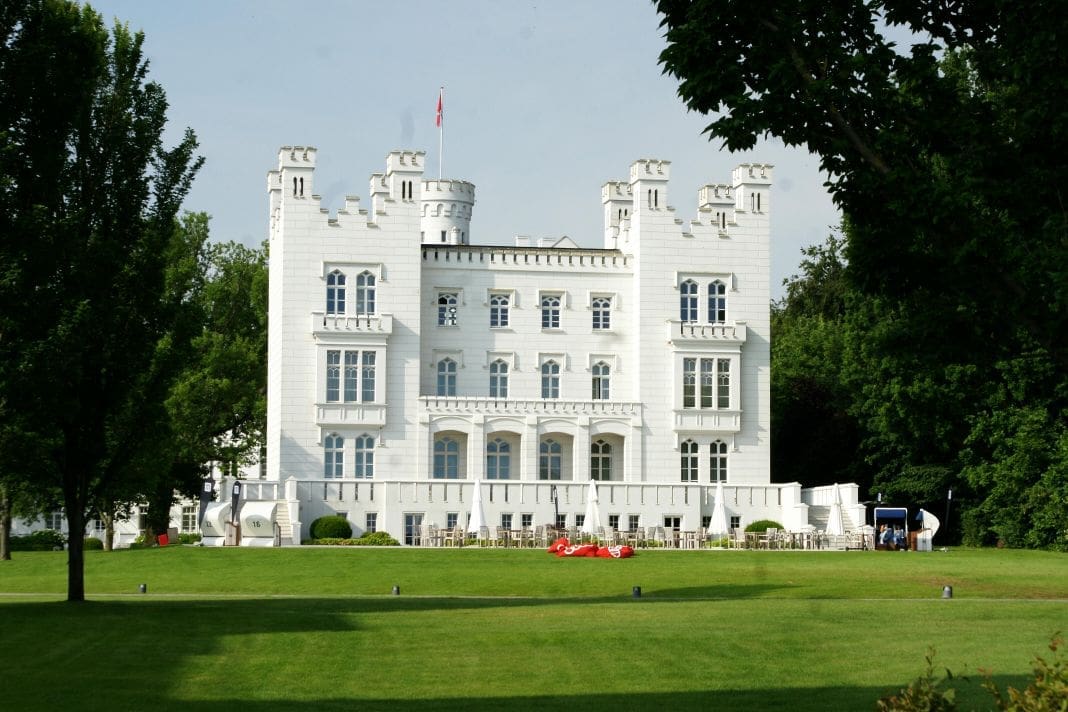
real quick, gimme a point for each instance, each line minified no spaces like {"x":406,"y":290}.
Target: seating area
{"x":539,"y":537}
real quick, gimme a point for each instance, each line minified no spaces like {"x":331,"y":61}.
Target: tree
{"x":88,"y":199}
{"x":815,"y":438}
{"x":948,"y":159}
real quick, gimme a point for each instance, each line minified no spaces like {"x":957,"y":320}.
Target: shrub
{"x":93,"y":544}
{"x":924,"y":694}
{"x":331,"y":527}
{"x":367,"y":539}
{"x":378,"y":539}
{"x":762,"y":525}
{"x":1048,"y":691}
{"x":187,"y":538}
{"x":43,"y":540}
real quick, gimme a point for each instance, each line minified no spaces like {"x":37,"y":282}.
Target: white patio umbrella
{"x":477,"y":520}
{"x":835,"y":525}
{"x":718,"y":525}
{"x":592,"y":521}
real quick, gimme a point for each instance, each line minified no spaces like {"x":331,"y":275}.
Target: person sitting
{"x":899,"y":538}
{"x":886,"y":537}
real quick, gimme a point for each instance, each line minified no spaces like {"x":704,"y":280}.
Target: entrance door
{"x":412,"y":524}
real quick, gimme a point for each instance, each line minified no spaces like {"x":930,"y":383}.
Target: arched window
{"x":446,"y":377}
{"x":333,"y":456}
{"x":335,"y":293}
{"x":446,"y":459}
{"x":600,"y":460}
{"x":365,"y":456}
{"x":602,"y":313}
{"x":688,"y":300}
{"x":688,"y":461}
{"x":549,"y":460}
{"x":498,"y":379}
{"x":717,"y":302}
{"x":498,"y":460}
{"x":333,"y":376}
{"x":717,"y":464}
{"x":365,"y":293}
{"x":601,"y":381}
{"x":499,"y":311}
{"x":447,"y":309}
{"x":550,"y":312}
{"x":550,"y":379}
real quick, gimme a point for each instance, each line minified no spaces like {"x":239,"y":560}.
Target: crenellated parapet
{"x":752,"y":187}
{"x":447,"y":206}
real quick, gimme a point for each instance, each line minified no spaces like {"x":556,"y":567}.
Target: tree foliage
{"x":947,"y":156}
{"x":88,"y":199}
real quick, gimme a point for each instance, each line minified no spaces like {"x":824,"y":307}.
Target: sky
{"x":544,"y":102}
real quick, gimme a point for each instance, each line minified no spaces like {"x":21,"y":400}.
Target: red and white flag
{"x":441,"y":95}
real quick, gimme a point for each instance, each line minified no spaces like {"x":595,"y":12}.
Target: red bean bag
{"x":558,"y":545}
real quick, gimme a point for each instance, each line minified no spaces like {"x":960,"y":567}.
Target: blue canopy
{"x":891,"y":513}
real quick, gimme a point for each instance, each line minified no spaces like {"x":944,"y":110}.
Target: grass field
{"x":310,"y":628}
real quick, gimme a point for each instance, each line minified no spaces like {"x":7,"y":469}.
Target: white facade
{"x":404,"y":361}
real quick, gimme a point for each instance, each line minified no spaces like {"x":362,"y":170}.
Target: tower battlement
{"x":650,"y":169}
{"x":752,"y":173}
{"x":296,"y":157}
{"x":405,"y":162}
{"x":614,"y":190}
{"x":715,"y":194}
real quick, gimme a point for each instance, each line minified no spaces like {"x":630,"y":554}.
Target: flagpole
{"x":441,"y":130}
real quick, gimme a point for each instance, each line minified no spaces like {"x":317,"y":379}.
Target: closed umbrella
{"x":718,"y":524}
{"x":477,"y":520}
{"x":835,"y":525}
{"x":592,"y":522}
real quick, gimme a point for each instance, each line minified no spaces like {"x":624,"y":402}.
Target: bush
{"x":1048,"y":691}
{"x":93,"y":544}
{"x":367,"y":539}
{"x":43,"y":540}
{"x":331,"y":527}
{"x":378,"y":539}
{"x":186,"y":538}
{"x":762,"y":525}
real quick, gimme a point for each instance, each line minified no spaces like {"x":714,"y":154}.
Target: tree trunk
{"x":5,"y":525}
{"x":109,"y":530}
{"x":75,"y":504}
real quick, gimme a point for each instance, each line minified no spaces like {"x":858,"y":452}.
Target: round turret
{"x":447,"y":206}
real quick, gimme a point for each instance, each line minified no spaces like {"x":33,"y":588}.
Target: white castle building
{"x":405,"y":362}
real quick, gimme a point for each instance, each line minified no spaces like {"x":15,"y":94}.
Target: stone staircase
{"x":285,"y":526}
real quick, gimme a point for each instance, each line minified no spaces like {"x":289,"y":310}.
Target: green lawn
{"x":485,"y":629}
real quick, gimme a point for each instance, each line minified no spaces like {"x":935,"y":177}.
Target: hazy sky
{"x":543,"y":103}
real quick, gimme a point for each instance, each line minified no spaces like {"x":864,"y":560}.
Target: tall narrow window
{"x":602,"y":313}
{"x":724,"y":387}
{"x":688,"y":461}
{"x":550,"y":379}
{"x":333,"y":456}
{"x":335,"y":293}
{"x":352,"y":375}
{"x":365,"y":293}
{"x":689,"y":383}
{"x":446,"y":459}
{"x":498,"y":379}
{"x":365,"y":456}
{"x":498,"y":460}
{"x":499,"y":311}
{"x":446,"y":377}
{"x":447,"y":309}
{"x":550,"y":312}
{"x":333,"y":376}
{"x":549,"y":460}
{"x":601,"y":381}
{"x":717,"y":302}
{"x":688,"y":300}
{"x":717,"y":463}
{"x":368,"y":380}
{"x":708,"y":381}
{"x":600,"y":460}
